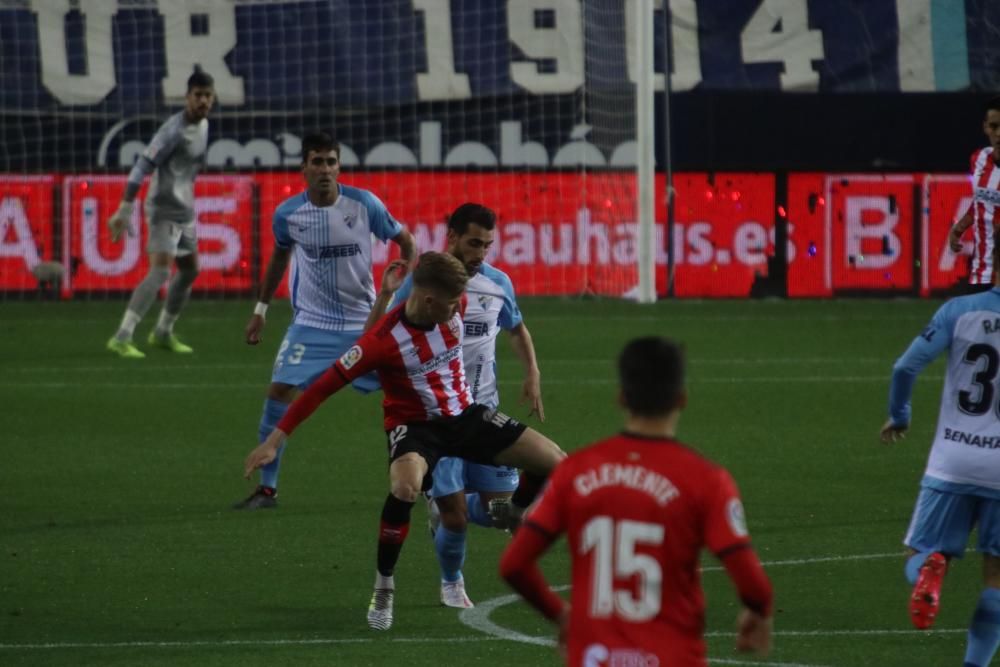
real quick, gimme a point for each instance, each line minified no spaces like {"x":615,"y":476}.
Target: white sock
{"x":165,"y":325}
{"x":127,"y":327}
{"x":384,"y":582}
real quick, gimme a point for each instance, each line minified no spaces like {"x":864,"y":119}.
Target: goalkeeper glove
{"x":121,"y":221}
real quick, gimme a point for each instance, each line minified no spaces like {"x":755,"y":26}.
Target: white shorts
{"x":174,"y":238}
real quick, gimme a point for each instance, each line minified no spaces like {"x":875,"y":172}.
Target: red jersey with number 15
{"x":637,"y":512}
{"x":420,"y":369}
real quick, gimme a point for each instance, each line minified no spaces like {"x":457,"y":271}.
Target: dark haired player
{"x":637,"y":510}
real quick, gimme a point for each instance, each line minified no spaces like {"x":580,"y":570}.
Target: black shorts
{"x":976,"y":288}
{"x":479,"y":434}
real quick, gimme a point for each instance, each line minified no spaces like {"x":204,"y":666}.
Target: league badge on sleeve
{"x":737,"y":519}
{"x":351,"y":357}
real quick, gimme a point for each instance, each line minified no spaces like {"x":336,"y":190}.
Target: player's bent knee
{"x":160,"y":260}
{"x":991,"y":571}
{"x":283,"y":393}
{"x":406,"y":475}
{"x":158,"y":274}
{"x":453,"y":511}
{"x":405,"y":490}
{"x":455,"y":522}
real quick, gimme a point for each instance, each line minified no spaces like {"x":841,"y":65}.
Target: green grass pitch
{"x":117,"y":546}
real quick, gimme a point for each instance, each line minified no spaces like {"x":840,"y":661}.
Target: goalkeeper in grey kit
{"x":174,"y":156}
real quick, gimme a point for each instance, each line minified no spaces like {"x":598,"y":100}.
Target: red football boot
{"x":926,"y":597}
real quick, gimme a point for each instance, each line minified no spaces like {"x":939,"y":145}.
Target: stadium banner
{"x":266,"y":54}
{"x":946,"y":198}
{"x":224,"y":212}
{"x":27,"y":205}
{"x":560,"y":233}
{"x":563,"y":233}
{"x":493,"y":84}
{"x":861,"y":227}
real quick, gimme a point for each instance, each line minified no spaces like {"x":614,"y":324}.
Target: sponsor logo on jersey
{"x":331,"y":251}
{"x":351,"y":357}
{"x":599,"y":655}
{"x":736,"y":517}
{"x":988,"y":196}
{"x":476,"y":377}
{"x":476,"y":329}
{"x":436,"y":362}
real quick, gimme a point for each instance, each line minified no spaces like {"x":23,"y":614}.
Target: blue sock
{"x":913,"y":565}
{"x":984,"y":631}
{"x":450,"y":548}
{"x":273,"y":412}
{"x":477,"y":513}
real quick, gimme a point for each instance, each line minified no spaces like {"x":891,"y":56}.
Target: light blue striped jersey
{"x":492,"y":307}
{"x":331,"y":280}
{"x":966,"y":449}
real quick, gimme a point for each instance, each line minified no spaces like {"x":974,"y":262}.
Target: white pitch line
{"x":266,"y":363}
{"x":246,"y":642}
{"x":763,"y":379}
{"x":820,"y":559}
{"x":666,"y":316}
{"x":478,"y":618}
{"x":851,"y":633}
{"x":731,"y":661}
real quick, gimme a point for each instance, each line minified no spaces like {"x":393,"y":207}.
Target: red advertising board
{"x":723,"y":233}
{"x":564,"y":233}
{"x":224,"y":215}
{"x":859,"y":226}
{"x":26,"y":228}
{"x":808,"y":242}
{"x":559,"y":233}
{"x":946,"y":199}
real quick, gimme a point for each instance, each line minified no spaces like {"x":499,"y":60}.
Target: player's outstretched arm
{"x":407,"y":246}
{"x":531,"y":388}
{"x":754,"y":589}
{"x":753,"y":632}
{"x":161,"y":145}
{"x":519,"y":568}
{"x":121,"y":221}
{"x":264,"y":453}
{"x":392,"y":279}
{"x":276,"y":267}
{"x":891,"y":432}
{"x":932,"y":341}
{"x":956,"y":231}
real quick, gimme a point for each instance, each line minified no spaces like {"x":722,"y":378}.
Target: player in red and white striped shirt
{"x":416,"y":349}
{"x":982,"y":214}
